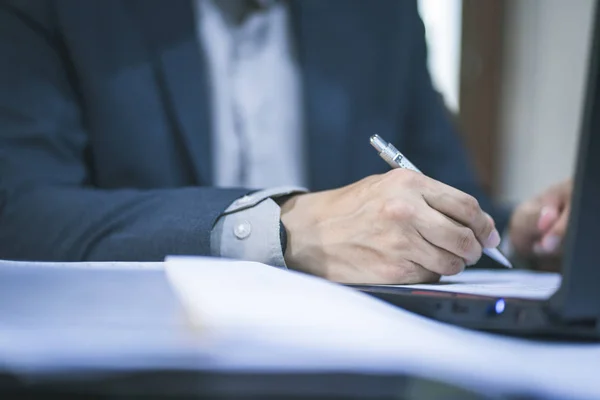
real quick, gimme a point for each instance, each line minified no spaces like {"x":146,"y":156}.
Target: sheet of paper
{"x":87,"y":264}
{"x":253,"y":317}
{"x":258,"y":317}
{"x":498,"y":283}
{"x":77,"y":317}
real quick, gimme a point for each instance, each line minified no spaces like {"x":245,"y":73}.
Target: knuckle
{"x":465,"y":241}
{"x":398,"y":210}
{"x":423,"y":275}
{"x":453,"y":265}
{"x":409,"y":273}
{"x":406,"y":176}
{"x":473,"y":260}
{"x":445,"y":198}
{"x":472,"y":209}
{"x":475,"y":254}
{"x":429,"y":277}
{"x":395,"y":273}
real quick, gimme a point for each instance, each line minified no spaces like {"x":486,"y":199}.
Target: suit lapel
{"x":349,"y":92}
{"x":182,"y":75}
{"x":329,"y":78}
{"x":325,"y":88}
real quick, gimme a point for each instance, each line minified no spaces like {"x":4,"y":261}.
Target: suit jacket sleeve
{"x":433,"y":143}
{"x":49,"y":209}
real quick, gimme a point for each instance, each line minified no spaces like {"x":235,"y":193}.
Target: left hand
{"x":538,"y":226}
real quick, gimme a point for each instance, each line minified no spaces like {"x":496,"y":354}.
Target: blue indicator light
{"x":500,"y":306}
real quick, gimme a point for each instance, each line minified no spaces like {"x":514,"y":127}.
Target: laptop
{"x":573,"y":310}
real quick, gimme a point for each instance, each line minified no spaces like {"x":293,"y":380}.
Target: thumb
{"x":552,"y":204}
{"x":549,"y":215}
{"x":552,"y":240}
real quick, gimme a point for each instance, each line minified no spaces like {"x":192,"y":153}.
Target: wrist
{"x":284,"y":220}
{"x":298,"y":216}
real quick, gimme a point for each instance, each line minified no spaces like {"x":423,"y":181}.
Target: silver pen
{"x":395,"y":159}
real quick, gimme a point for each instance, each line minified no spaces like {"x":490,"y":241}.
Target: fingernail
{"x":550,"y":243}
{"x":545,"y":210}
{"x":493,"y":240}
{"x":548,"y":214}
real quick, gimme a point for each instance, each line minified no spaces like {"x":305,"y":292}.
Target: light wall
{"x":442,"y":20}
{"x":546,"y":49}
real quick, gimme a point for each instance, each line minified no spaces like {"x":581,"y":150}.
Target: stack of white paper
{"x":260,"y":317}
{"x":500,"y":283}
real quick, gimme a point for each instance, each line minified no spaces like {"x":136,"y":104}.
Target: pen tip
{"x":496,"y":255}
{"x":504,"y":261}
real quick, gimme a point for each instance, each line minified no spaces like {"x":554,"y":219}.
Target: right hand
{"x":397,"y":228}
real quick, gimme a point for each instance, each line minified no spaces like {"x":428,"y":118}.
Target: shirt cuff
{"x":249,"y":229}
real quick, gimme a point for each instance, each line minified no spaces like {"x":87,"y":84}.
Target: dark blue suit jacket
{"x":104,"y":120}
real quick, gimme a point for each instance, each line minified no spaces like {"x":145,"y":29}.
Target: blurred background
{"x":513,"y":72}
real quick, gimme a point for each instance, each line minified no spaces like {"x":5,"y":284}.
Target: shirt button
{"x":242,"y":230}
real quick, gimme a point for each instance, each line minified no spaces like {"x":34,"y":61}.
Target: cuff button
{"x":242,"y":230}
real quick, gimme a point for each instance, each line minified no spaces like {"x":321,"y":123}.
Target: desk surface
{"x":56,"y":321}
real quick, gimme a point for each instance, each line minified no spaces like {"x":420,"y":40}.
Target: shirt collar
{"x":236,"y":11}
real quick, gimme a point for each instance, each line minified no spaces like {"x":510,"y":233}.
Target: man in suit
{"x":134,"y":129}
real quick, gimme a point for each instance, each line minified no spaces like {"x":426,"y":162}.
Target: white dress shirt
{"x":257,"y":120}
{"x":255,"y":95}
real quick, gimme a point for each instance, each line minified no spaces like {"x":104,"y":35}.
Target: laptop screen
{"x":579,"y":295}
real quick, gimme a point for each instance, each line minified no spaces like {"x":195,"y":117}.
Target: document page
{"x":257,"y":317}
{"x":244,"y":316}
{"x":142,"y":265}
{"x":498,"y":283}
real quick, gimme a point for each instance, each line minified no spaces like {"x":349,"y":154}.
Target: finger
{"x":464,"y":209}
{"x":552,"y":203}
{"x":557,"y":195}
{"x":446,"y":234}
{"x":411,"y":272}
{"x":560,"y":227}
{"x":437,"y":260}
{"x":552,"y":241}
{"x":549,"y":214}
{"x":548,"y":245}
